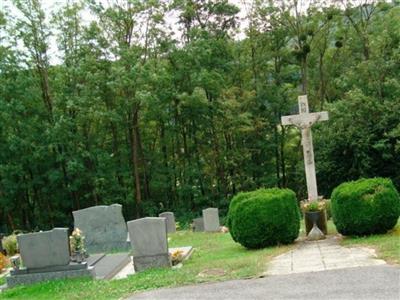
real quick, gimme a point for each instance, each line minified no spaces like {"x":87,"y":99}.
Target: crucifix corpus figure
{"x":304,"y":120}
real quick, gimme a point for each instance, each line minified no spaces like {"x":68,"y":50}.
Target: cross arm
{"x":305,"y":120}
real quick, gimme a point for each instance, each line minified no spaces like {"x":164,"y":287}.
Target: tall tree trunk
{"x":135,"y":158}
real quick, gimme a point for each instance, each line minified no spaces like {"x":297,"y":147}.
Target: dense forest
{"x":176,"y":104}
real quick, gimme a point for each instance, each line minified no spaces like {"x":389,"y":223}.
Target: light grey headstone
{"x":198,"y":225}
{"x":103,"y":226}
{"x":44,"y":249}
{"x":169,"y":216}
{"x":211,"y":220}
{"x":149,"y":242}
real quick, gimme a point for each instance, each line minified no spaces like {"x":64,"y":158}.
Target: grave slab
{"x":110,"y":265}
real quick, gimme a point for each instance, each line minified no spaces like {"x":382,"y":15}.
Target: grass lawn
{"x":387,"y":245}
{"x":216,"y":255}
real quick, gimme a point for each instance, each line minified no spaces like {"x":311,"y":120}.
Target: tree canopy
{"x":125,"y":107}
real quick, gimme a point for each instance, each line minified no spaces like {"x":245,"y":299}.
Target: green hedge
{"x":264,"y":217}
{"x":365,"y":206}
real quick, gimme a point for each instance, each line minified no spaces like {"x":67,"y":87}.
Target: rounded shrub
{"x":264,"y":217}
{"x":365,"y":206}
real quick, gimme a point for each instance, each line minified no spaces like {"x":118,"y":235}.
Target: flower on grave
{"x":313,"y":205}
{"x":176,"y":257}
{"x":77,"y":241}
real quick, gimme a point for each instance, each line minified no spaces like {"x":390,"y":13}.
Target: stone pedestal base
{"x":142,"y":263}
{"x":32,"y":276}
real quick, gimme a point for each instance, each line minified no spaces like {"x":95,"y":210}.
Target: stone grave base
{"x":130,"y":270}
{"x":25,"y":276}
{"x":142,"y":263}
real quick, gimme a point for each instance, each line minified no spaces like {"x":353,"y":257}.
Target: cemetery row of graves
{"x":104,"y":246}
{"x":100,"y":246}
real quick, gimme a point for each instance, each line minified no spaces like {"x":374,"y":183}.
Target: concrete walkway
{"x":321,"y":256}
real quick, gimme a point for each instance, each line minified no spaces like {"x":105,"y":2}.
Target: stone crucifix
{"x":304,"y":120}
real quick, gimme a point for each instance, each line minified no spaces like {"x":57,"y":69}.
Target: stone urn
{"x":320,"y":221}
{"x":313,"y":216}
{"x":315,"y":234}
{"x":78,"y":256}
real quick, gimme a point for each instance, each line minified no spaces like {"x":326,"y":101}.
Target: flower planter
{"x":321,"y":221}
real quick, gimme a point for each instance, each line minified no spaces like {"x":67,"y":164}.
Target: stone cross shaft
{"x":304,"y":120}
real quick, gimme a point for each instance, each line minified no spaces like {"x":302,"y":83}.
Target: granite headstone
{"x":44,"y":249}
{"x":104,"y":228}
{"x":170,"y":218}
{"x":211,"y":220}
{"x":45,"y":256}
{"x":198,"y":225}
{"x":149,"y":242}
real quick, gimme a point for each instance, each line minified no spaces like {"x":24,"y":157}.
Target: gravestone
{"x":44,"y":249}
{"x":211,"y":220}
{"x":170,"y":218}
{"x":198,"y":225}
{"x":149,"y":242}
{"x":45,"y":256}
{"x":104,"y":228}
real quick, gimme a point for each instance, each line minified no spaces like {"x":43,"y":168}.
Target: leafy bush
{"x":365,"y":206}
{"x":232,"y":209}
{"x":264,"y":217}
{"x":10,"y":244}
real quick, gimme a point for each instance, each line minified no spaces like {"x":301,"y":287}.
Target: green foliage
{"x":313,"y":206}
{"x":264,"y":217}
{"x":365,"y":206}
{"x":10,"y":244}
{"x":328,"y":208}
